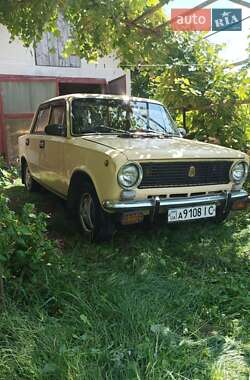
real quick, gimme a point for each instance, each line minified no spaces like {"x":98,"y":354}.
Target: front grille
{"x":176,"y":174}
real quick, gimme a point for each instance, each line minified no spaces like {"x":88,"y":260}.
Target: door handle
{"x":42,"y":144}
{"x":27,"y":142}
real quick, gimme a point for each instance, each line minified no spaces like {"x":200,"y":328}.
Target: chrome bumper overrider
{"x":224,"y":199}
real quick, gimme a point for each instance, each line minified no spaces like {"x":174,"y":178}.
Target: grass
{"x":165,"y":303}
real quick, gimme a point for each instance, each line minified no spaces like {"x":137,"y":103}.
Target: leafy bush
{"x":195,"y":78}
{"x":231,"y":133}
{"x":24,"y":247}
{"x":7,"y":174}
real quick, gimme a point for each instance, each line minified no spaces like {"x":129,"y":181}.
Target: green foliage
{"x":204,"y":85}
{"x":97,"y":27}
{"x":144,"y":84}
{"x":196,"y":79}
{"x":23,"y":244}
{"x":148,"y":306}
{"x":237,"y":133}
{"x":7,"y":174}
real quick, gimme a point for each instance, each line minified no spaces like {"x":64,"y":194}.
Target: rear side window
{"x":58,"y":115}
{"x":42,"y":120}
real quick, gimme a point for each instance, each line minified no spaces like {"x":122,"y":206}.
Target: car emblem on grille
{"x":191,"y":172}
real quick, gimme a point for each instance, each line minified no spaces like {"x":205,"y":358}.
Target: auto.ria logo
{"x":202,"y":19}
{"x":227,"y":19}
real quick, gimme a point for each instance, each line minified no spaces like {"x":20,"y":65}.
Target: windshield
{"x":110,"y":116}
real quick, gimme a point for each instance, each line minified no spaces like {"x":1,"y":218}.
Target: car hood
{"x":153,"y":148}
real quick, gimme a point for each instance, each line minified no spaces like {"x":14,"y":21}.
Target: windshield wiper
{"x":119,"y":131}
{"x":122,"y":131}
{"x":129,"y":132}
{"x":125,"y":133}
{"x":165,"y":133}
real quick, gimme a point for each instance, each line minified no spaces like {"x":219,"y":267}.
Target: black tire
{"x":94,"y":221}
{"x":30,"y":184}
{"x":221,"y":217}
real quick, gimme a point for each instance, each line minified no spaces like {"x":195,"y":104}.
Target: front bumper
{"x":225,"y":200}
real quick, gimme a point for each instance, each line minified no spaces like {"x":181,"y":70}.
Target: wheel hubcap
{"x":87,"y":212}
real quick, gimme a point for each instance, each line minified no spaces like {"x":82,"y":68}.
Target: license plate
{"x":191,"y":213}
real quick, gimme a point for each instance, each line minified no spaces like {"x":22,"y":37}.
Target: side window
{"x":57,"y":115}
{"x":41,"y":121}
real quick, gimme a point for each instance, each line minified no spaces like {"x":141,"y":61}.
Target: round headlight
{"x":129,"y":175}
{"x":239,"y":172}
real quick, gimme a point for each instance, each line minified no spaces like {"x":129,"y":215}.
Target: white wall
{"x":17,"y":60}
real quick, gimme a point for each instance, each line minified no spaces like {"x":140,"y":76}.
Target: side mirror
{"x":55,"y":130}
{"x":182,"y":132}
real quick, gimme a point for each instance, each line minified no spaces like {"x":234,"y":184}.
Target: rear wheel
{"x":30,"y":184}
{"x":95,"y":222}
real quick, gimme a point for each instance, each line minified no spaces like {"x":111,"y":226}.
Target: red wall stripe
{"x":27,"y":115}
{"x":2,"y":144}
{"x":32,"y":78}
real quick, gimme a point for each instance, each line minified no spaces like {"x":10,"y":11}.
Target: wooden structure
{"x":20,"y":96}
{"x":30,"y":76}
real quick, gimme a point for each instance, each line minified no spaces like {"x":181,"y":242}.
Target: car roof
{"x":100,"y":96}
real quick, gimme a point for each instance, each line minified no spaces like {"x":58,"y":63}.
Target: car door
{"x":32,"y":141}
{"x":52,"y":152}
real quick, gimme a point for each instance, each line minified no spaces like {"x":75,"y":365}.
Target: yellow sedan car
{"x":118,"y":159}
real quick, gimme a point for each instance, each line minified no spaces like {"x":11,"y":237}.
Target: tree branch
{"x":241,"y":2}
{"x":148,"y":12}
{"x":145,"y":30}
{"x":211,"y":106}
{"x":187,"y":13}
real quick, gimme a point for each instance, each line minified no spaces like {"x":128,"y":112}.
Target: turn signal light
{"x":127,"y":195}
{"x":240,"y":205}
{"x":132,"y":218}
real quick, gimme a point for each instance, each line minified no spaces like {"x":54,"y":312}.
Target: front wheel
{"x":30,"y":184}
{"x":95,"y":222}
{"x":221,"y":218}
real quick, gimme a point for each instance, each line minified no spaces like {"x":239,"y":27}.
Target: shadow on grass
{"x":159,"y":301}
{"x":58,"y":223}
{"x":183,"y":240}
